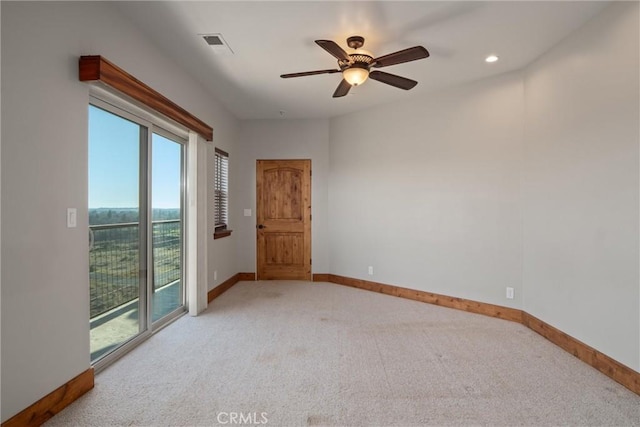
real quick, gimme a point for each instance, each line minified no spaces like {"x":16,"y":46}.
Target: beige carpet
{"x":296,"y":354}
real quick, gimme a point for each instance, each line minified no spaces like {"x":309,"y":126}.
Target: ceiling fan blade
{"x":406,"y":55}
{"x":333,"y":48}
{"x":308,"y":73}
{"x":342,"y":90}
{"x":393,"y":80}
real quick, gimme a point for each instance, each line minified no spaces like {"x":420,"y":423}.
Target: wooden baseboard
{"x":247,"y":277}
{"x":54,"y":402}
{"x":227,"y":284}
{"x":500,"y":312}
{"x":223,"y":287}
{"x":320,"y":277}
{"x":600,"y":361}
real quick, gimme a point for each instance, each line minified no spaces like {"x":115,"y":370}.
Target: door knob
{"x":261,"y":226}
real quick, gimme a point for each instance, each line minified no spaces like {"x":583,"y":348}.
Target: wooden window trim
{"x":222,"y":233}
{"x":96,"y":68}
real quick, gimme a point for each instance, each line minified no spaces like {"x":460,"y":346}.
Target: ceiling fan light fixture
{"x":355,"y":66}
{"x":355,"y":76}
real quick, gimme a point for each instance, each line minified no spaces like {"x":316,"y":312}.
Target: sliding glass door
{"x":136,"y":228}
{"x":167,"y":218}
{"x":116,"y":257}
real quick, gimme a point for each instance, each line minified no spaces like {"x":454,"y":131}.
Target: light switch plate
{"x":72,"y":218}
{"x":247,"y":212}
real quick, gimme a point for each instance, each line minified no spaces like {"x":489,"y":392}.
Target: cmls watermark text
{"x":237,"y":418}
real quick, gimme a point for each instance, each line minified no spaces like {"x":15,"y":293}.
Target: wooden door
{"x":283,"y":215}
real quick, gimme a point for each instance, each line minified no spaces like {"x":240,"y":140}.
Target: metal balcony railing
{"x":114,"y":263}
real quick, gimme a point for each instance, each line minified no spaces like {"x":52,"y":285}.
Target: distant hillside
{"x":99,"y":216}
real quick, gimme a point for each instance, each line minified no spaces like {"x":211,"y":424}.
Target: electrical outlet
{"x":509,"y":293}
{"x":215,"y":275}
{"x":370,"y":270}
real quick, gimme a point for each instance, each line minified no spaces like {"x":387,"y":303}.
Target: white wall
{"x":428,"y":192}
{"x":281,"y":139}
{"x":581,"y":190}
{"x":45,"y":301}
{"x":530,"y":182}
{"x":222,"y":252}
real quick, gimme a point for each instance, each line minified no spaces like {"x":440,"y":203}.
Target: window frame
{"x":221,"y":194}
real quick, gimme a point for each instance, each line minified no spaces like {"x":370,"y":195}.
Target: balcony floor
{"x":115,"y":327}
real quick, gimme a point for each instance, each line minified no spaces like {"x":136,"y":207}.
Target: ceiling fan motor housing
{"x":357,"y":61}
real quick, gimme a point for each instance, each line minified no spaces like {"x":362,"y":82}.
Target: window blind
{"x":221,"y":186}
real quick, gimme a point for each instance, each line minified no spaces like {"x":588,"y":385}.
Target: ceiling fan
{"x":356,"y":67}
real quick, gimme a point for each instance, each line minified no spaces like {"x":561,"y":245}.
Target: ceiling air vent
{"x":217,"y":43}
{"x":213,"y":40}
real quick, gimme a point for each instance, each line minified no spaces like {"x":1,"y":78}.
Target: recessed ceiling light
{"x":491,"y":58}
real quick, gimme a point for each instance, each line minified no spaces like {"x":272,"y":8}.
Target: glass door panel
{"x":167,"y":223}
{"x":116,"y":230}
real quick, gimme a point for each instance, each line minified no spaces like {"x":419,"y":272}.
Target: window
{"x":221,"y":197}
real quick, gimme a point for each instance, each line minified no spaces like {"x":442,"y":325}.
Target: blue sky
{"x":114,"y":157}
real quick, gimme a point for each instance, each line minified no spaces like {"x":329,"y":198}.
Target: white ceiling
{"x":270,"y":38}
